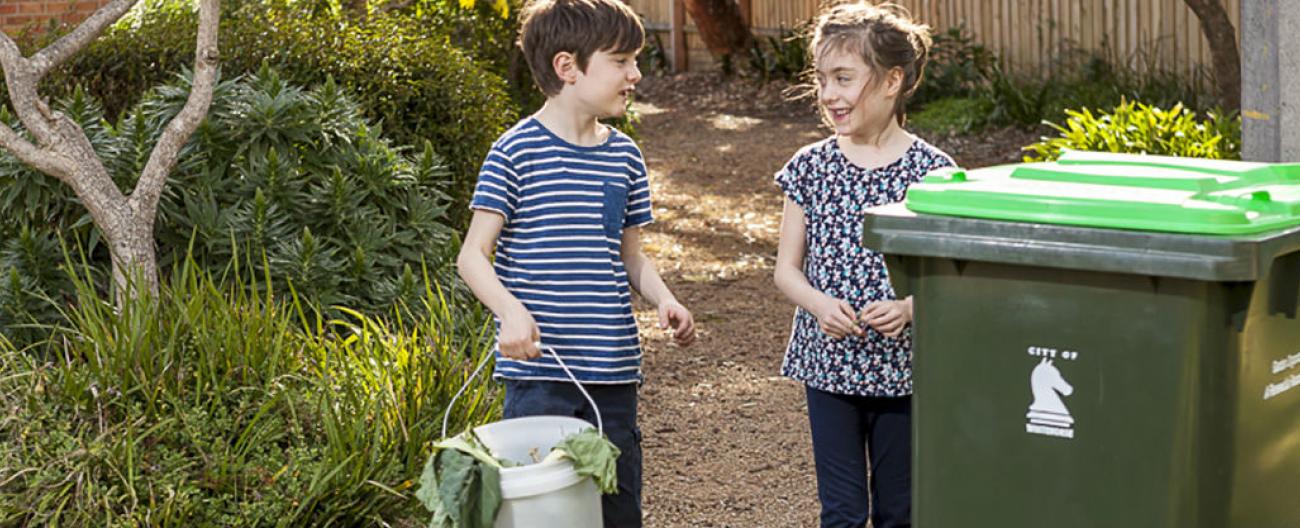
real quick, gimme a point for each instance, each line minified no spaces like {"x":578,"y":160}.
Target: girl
{"x":850,"y":343}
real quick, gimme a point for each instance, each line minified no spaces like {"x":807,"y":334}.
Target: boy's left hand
{"x":679,"y":318}
{"x":888,"y":317}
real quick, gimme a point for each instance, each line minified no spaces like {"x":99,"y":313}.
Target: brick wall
{"x":15,"y":15}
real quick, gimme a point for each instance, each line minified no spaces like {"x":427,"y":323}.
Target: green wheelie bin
{"x":1104,"y":341}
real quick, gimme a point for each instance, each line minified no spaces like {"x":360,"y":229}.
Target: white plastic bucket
{"x":540,"y":495}
{"x":545,"y":494}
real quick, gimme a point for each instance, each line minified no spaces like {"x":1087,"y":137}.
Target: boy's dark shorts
{"x":618,"y":410}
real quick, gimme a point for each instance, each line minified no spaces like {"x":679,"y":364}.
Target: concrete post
{"x":1270,"y":80}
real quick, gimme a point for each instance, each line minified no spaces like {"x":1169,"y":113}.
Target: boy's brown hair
{"x":883,"y":35}
{"x":580,"y":27}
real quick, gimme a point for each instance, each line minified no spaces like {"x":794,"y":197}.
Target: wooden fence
{"x":1027,"y":34}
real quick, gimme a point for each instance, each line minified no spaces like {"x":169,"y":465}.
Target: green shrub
{"x":1140,"y":128}
{"x":405,"y":73}
{"x":1075,"y":78}
{"x":1020,"y":100}
{"x":784,"y":56}
{"x":32,"y":279}
{"x":294,"y":178}
{"x":1084,"y":79}
{"x":957,"y":67}
{"x":653,"y":59}
{"x":487,"y":32}
{"x":951,"y":115}
{"x":226,"y":404}
{"x":420,"y":88}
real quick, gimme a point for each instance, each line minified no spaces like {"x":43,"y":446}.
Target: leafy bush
{"x":225,"y":404}
{"x":952,"y":115}
{"x":299,"y":176}
{"x":419,"y":87}
{"x":653,"y":59}
{"x":957,"y":67}
{"x":1139,"y":128}
{"x":1075,"y":78}
{"x":405,"y":73}
{"x":276,"y":171}
{"x":487,"y":32}
{"x":784,"y":56}
{"x":1084,"y":79}
{"x":1020,"y":100}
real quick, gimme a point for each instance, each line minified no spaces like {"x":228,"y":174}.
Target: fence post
{"x":1270,"y":81}
{"x":678,"y":36}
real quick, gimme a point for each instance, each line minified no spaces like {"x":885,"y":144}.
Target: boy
{"x":560,"y":201}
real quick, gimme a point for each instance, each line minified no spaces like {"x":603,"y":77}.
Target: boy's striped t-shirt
{"x":559,"y":252}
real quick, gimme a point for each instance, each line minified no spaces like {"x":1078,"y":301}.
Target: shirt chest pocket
{"x":615,"y":208}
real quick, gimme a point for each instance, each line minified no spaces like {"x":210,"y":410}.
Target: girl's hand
{"x":888,"y":317}
{"x":519,"y":336}
{"x":673,"y":314}
{"x":836,"y":318}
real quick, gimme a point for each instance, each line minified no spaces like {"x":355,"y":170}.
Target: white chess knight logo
{"x":1048,"y":414}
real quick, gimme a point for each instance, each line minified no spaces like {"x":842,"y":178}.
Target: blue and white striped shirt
{"x":559,"y":252}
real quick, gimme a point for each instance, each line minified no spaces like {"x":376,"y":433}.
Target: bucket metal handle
{"x":446,"y":416}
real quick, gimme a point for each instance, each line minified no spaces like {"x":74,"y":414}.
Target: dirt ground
{"x":726,"y":437}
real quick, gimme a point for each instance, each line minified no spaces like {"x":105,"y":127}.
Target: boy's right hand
{"x":837,"y":317}
{"x":519,"y":336}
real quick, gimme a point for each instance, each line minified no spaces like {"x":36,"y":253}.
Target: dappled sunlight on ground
{"x":734,"y":123}
{"x":712,"y":412}
{"x":712,"y":236}
{"x":643,"y":108}
{"x":713,"y":186}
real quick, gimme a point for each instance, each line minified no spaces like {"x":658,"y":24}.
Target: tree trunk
{"x":721,"y":26}
{"x":1222,"y":37}
{"x":135,"y":261}
{"x":127,"y":233}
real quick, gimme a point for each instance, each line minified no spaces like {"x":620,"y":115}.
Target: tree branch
{"x":45,"y":161}
{"x":21,"y":82}
{"x":17,"y":75}
{"x":89,"y":30}
{"x":144,"y":200}
{"x":10,"y":56}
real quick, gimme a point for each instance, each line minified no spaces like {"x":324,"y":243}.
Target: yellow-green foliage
{"x":1138,"y":128}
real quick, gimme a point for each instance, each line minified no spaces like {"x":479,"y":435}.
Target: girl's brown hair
{"x":884,"y":35}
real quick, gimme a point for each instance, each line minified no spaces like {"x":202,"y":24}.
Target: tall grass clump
{"x":223,"y":403}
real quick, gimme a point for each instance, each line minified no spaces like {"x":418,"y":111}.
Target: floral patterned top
{"x":833,"y":193}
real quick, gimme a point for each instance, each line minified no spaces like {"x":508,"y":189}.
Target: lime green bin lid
{"x":1121,"y":191}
